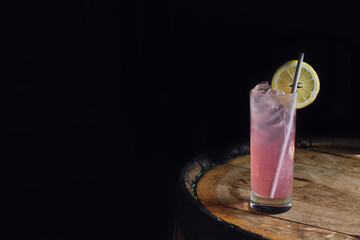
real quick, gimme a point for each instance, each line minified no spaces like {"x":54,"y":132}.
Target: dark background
{"x":103,"y":102}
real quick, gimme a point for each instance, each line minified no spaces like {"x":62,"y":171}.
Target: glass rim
{"x":266,"y":95}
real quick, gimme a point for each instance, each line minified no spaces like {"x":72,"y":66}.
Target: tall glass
{"x":272,"y":148}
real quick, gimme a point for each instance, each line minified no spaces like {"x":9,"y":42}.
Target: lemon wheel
{"x":308,"y":85}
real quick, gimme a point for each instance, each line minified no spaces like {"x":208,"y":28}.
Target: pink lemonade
{"x":272,"y":139}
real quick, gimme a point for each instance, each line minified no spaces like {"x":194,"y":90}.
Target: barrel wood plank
{"x":326,"y":198}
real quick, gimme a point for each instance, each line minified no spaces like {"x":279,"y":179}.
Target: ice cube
{"x":276,"y":115}
{"x":262,"y":87}
{"x":271,"y":92}
{"x":274,"y":120}
{"x":259,"y":104}
{"x":277,"y":109}
{"x":280,"y":93}
{"x":265,"y":88}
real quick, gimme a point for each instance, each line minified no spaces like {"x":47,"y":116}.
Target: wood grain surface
{"x":326,"y":198}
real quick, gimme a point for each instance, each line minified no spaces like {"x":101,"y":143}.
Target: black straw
{"x":297,"y":73}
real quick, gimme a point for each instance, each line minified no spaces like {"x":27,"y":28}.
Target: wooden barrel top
{"x":326,"y":197}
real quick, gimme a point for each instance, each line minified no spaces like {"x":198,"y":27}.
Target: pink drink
{"x":272,"y":116}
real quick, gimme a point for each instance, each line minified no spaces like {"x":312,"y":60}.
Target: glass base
{"x":270,"y":205}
